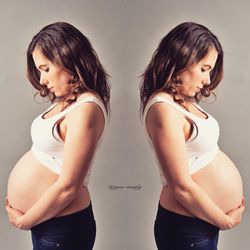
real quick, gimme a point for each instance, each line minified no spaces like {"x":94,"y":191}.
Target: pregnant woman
{"x":47,"y":189}
{"x":202,"y":189}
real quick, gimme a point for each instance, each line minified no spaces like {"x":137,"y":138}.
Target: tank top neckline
{"x":48,"y":110}
{"x":67,"y":109}
{"x":181,"y":109}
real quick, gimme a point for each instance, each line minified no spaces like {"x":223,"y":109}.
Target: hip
{"x":175,"y":222}
{"x":74,"y":231}
{"x":179,"y":232}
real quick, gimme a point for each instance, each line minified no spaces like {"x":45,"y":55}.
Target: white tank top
{"x":202,"y":145}
{"x":48,"y":146}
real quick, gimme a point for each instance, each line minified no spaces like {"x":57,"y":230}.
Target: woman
{"x":47,"y":189}
{"x":197,"y":198}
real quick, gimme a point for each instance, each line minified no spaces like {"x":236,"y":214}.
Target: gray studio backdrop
{"x":125,"y":185}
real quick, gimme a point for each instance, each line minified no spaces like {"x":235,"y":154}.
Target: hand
{"x":15,"y":216}
{"x":235,"y":215}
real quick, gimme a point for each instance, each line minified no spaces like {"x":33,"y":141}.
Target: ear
{"x":176,"y":79}
{"x":73,"y":79}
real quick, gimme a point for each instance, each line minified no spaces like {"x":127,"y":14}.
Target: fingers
{"x":9,"y":209}
{"x":7,"y":202}
{"x":7,"y":205}
{"x":242,"y":208}
{"x":242,"y":205}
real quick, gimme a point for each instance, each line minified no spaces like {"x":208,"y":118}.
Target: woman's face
{"x":194,"y":78}
{"x":52,"y":75}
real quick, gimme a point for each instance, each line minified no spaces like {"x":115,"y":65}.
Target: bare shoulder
{"x":88,"y":94}
{"x":87,"y":112}
{"x":163,"y":95}
{"x":162,"y":117}
{"x":161,"y":112}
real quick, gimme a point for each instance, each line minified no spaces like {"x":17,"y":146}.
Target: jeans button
{"x":57,"y":244}
{"x":192,"y":245}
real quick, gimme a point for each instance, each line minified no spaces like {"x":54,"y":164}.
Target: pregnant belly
{"x":220,"y":180}
{"x":29,"y":180}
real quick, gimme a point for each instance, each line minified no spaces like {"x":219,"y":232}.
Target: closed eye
{"x":43,"y":67}
{"x":206,"y":69}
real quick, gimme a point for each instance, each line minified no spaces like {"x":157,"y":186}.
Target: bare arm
{"x":84,"y":126}
{"x":166,"y":128}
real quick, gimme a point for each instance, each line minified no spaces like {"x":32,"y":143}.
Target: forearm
{"x":197,"y":201}
{"x":51,"y":203}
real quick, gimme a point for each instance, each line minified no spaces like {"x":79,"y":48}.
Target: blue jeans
{"x":71,"y":232}
{"x":178,"y":232}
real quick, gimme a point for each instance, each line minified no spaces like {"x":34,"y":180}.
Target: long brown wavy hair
{"x":65,"y":45}
{"x":182,"y":47}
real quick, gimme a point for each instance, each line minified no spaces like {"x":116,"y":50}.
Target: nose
{"x":43,"y":80}
{"x":207,"y":80}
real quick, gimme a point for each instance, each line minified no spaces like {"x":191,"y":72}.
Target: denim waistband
{"x":183,"y":223}
{"x":65,"y":223}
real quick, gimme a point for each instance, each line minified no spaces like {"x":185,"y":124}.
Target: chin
{"x":193,"y":94}
{"x":190,"y":95}
{"x":61,"y":95}
{"x":58,"y":94}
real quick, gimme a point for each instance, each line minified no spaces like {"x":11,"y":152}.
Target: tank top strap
{"x":85,"y":100}
{"x":157,"y":99}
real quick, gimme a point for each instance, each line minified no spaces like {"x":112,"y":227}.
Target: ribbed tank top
{"x":202,"y":146}
{"x":48,"y":146}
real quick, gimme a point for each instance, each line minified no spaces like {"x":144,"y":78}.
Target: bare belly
{"x":220,"y":180}
{"x":29,"y":180}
